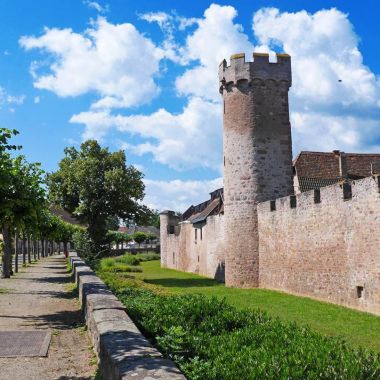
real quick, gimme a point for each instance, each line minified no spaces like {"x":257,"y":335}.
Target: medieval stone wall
{"x":329,"y":250}
{"x":197,"y":250}
{"x":257,"y":153}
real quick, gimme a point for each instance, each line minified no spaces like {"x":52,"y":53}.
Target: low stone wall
{"x":123,"y":352}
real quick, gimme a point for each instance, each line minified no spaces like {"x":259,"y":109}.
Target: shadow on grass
{"x":182,"y":282}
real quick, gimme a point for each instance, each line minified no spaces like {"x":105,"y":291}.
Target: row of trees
{"x":24,"y":210}
{"x":92,"y":184}
{"x":120,"y":238}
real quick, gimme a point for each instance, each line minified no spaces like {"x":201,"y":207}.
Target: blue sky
{"x":142,"y":76}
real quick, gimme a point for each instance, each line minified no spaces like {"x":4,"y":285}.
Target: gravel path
{"x":39,"y":297}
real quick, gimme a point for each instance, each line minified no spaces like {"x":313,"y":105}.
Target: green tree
{"x":139,"y":237}
{"x":21,"y":196}
{"x":95,"y":185}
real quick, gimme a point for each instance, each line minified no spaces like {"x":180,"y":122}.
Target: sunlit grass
{"x":355,"y":327}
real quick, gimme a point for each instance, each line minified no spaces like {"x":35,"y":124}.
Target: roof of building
{"x":314,"y":170}
{"x":200,"y":212}
{"x":64,"y":215}
{"x":325,"y":165}
{"x":146,"y":229}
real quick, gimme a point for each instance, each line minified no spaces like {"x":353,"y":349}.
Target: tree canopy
{"x":97,"y":186}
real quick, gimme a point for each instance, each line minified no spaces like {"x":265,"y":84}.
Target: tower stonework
{"x":257,"y":154}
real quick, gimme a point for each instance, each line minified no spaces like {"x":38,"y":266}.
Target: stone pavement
{"x":39,"y":297}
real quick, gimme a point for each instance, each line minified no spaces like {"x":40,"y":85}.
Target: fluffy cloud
{"x":178,"y":195}
{"x":115,"y":61}
{"x":216,"y":38}
{"x":335,"y":98}
{"x":187,"y":140}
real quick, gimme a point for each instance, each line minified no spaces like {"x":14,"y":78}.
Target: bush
{"x":137,"y":259}
{"x":128,"y":259}
{"x":149,"y":256}
{"x":111,"y":265}
{"x":212,"y":340}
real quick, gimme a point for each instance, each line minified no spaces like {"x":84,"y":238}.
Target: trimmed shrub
{"x":212,"y":340}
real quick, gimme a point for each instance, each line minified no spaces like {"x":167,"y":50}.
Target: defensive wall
{"x":324,"y":244}
{"x":194,"y":249}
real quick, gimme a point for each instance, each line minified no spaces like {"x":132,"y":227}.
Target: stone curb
{"x":123,"y":352}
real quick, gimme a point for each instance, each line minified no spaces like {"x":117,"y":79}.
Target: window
{"x":170,"y":230}
{"x":317,"y":196}
{"x":273,"y":205}
{"x":293,"y":201}
{"x":359,"y":291}
{"x":195,"y":234}
{"x":201,"y":233}
{"x":347,"y":191}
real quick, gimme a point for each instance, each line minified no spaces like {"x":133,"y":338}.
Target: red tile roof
{"x":325,"y":165}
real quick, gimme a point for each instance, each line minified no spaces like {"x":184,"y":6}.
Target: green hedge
{"x":138,"y":258}
{"x":211,"y":340}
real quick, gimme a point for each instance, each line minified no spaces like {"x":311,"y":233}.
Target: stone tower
{"x":257,"y":154}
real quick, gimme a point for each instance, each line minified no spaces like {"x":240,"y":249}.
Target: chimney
{"x":342,"y":164}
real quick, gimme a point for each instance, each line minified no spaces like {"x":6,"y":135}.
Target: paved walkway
{"x":39,"y":297}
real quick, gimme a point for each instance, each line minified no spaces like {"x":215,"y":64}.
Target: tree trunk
{"x":7,"y":254}
{"x":42,"y":247}
{"x":23,"y":250}
{"x":28,"y":248}
{"x":17,"y":250}
{"x":34,"y":249}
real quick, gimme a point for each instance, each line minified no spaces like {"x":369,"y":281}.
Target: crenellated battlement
{"x":331,"y":195}
{"x":260,"y":69}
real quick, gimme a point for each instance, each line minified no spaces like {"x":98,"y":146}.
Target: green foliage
{"x":109,"y":264}
{"x":149,"y":256}
{"x":132,"y":260}
{"x":125,"y":263}
{"x":128,"y":259}
{"x":84,"y":245}
{"x":154,"y":219}
{"x":96,"y":186}
{"x":210,"y":339}
{"x":139,"y":237}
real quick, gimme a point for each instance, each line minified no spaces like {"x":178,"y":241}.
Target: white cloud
{"x":335,"y":98}
{"x":188,"y":140}
{"x":8,"y":99}
{"x":178,"y":195}
{"x":95,"y":5}
{"x":115,"y":61}
{"x":217,"y":37}
{"x":325,"y":132}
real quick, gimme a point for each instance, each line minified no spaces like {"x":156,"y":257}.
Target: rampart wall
{"x":197,"y":250}
{"x":324,"y":244}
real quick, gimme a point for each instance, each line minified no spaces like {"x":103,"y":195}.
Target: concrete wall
{"x":203,"y":255}
{"x":326,"y":250}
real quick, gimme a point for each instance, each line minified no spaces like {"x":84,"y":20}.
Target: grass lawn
{"x":359,"y":329}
